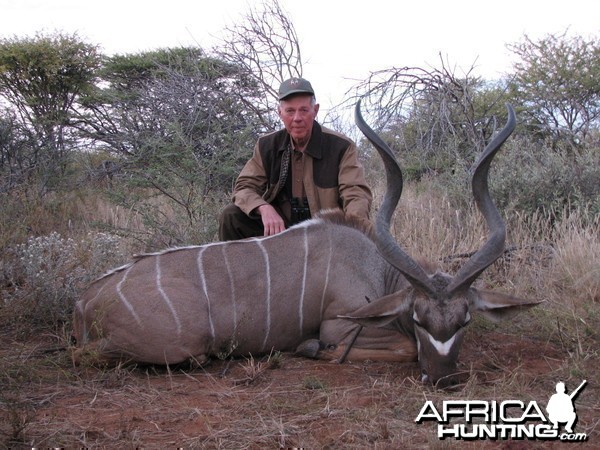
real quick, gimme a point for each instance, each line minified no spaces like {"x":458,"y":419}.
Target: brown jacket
{"x":333,"y":176}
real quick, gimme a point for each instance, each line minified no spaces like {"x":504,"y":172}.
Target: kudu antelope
{"x":307,"y":287}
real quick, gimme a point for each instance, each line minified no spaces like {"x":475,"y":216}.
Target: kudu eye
{"x":467,"y":319}
{"x":416,"y":320}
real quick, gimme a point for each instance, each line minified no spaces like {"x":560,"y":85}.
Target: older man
{"x":295,"y":172}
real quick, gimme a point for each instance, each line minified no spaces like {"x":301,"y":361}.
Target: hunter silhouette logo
{"x":560,"y":406}
{"x":508,"y":419}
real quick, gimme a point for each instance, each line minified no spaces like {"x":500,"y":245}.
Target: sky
{"x":341,"y":41}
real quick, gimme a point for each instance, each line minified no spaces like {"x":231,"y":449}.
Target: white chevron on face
{"x":443,"y":348}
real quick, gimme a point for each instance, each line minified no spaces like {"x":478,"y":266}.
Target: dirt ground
{"x":278,"y":402}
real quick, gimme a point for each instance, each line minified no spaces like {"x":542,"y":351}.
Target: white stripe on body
{"x":326,"y":284}
{"x":303,"y":290}
{"x":231,"y":287}
{"x":205,"y":290}
{"x":268,"y":296}
{"x":165,"y":297}
{"x":128,"y":305}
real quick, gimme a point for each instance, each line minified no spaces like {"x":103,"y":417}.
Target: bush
{"x":47,"y":273}
{"x":533,"y":178}
{"x":530,"y":177}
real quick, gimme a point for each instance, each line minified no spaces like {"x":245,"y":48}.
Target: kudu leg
{"x":404,"y":351}
{"x":371,"y":344}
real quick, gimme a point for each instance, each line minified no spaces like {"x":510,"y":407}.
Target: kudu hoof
{"x":310,"y":348}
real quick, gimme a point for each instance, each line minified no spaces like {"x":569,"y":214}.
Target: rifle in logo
{"x":561,"y":408}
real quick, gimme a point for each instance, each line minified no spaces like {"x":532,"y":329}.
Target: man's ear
{"x":497,"y":306}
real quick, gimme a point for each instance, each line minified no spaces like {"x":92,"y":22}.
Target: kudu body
{"x":235,"y":297}
{"x":307,"y":286}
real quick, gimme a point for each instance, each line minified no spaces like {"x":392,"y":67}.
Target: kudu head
{"x":437,"y":307}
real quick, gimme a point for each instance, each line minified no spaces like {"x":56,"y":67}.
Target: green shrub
{"x":530,"y":177}
{"x":47,"y":273}
{"x":533,"y":178}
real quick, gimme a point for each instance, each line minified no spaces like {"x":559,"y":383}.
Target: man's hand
{"x":271,"y":220}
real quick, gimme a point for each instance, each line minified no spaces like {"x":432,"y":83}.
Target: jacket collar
{"x":314,"y":144}
{"x":313,"y":148}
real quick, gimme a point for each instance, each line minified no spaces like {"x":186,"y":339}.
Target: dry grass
{"x":283,"y":401}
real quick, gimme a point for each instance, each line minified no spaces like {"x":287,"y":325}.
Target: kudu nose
{"x":446,"y":382}
{"x":437,"y":380}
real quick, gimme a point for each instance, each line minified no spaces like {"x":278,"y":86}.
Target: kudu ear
{"x":497,"y":306}
{"x":380,"y":312}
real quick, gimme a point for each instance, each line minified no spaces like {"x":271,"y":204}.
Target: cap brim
{"x":299,"y":91}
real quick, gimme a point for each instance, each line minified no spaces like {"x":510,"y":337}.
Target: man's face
{"x":297,"y":114}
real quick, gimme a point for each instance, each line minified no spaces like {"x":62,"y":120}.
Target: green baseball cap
{"x":295,"y":86}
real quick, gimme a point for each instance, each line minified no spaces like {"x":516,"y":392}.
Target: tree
{"x":41,"y":78}
{"x":557,"y":81}
{"x":440,"y":119}
{"x":265,"y":48}
{"x":13,"y":153}
{"x":174,"y":120}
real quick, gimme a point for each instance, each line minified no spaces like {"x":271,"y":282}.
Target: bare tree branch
{"x":429,"y":110}
{"x":265,"y":48}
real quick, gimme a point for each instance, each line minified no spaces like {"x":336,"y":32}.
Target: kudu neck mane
{"x":337,"y":217}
